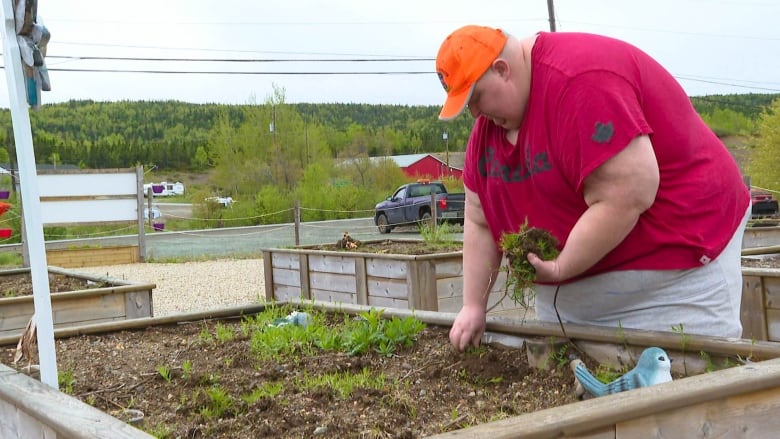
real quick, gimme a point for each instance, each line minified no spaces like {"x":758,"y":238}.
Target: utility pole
{"x":446,"y":139}
{"x":551,"y":14}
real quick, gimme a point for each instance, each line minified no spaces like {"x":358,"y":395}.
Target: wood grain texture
{"x":33,"y":409}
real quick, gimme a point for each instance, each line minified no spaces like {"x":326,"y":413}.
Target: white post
{"x":31,"y":214}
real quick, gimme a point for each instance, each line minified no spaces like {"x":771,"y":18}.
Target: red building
{"x":425,"y":166}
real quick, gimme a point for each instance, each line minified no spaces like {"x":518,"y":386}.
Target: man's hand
{"x":546,"y":271}
{"x":468,"y":328}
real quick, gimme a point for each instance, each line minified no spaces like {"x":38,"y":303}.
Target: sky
{"x":711,"y":46}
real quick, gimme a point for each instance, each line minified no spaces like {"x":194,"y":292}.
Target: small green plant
{"x":219,"y":403}
{"x":710,"y":366}
{"x":344,"y":383}
{"x":684,"y":339}
{"x":186,"y":369}
{"x":559,"y":356}
{"x":165,"y":373}
{"x":65,"y":380}
{"x":160,"y":431}
{"x":205,"y":335}
{"x":520,"y":272}
{"x":224,"y":333}
{"x":605,"y":374}
{"x":437,"y":236}
{"x":265,"y":390}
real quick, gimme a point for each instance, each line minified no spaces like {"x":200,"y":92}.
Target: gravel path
{"x":194,"y":286}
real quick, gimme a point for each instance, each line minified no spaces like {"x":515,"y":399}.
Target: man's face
{"x":495,"y":97}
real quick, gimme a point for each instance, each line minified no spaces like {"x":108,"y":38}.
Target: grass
{"x":325,"y":332}
{"x":520,"y":272}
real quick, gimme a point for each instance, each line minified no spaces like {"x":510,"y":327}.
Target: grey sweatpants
{"x":704,"y":300}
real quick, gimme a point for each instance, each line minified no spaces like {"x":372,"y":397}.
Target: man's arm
{"x":616,"y":192}
{"x":481,"y":259}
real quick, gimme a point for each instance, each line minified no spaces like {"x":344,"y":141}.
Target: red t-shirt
{"x":590,"y":96}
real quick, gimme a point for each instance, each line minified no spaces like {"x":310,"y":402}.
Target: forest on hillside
{"x":273,"y":153}
{"x":177,"y":135}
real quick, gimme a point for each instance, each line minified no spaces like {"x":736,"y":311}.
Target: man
{"x":591,"y":139}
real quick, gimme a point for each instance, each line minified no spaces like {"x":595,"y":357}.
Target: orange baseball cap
{"x":463,"y":58}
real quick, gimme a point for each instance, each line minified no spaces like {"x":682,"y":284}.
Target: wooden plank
{"x":387,"y":268}
{"x":450,"y":304}
{"x":91,"y":257}
{"x":388,"y":302}
{"x":268,"y":274}
{"x":75,"y":308}
{"x":429,"y":298}
{"x":604,"y":433}
{"x":773,"y":324}
{"x":449,"y":268}
{"x":283,"y":276}
{"x":758,"y":382}
{"x":332,"y":296}
{"x":287,"y":292}
{"x":761,"y":237}
{"x":449,"y":287}
{"x":305,"y":281}
{"x":138,"y":304}
{"x":342,"y":283}
{"x":332,"y":264}
{"x":53,"y":411}
{"x":31,"y":427}
{"x":414,"y":287}
{"x":361,"y":281}
{"x":771,"y":287}
{"x":285,"y":260}
{"x":90,"y":309}
{"x":383,"y":287}
{"x":752,"y":312}
{"x":8,"y":421}
{"x":749,"y":415}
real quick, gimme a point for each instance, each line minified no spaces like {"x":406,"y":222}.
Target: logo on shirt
{"x":603,"y":132}
{"x":489,"y":166}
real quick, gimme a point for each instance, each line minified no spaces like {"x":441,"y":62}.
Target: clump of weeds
{"x":516,"y":247}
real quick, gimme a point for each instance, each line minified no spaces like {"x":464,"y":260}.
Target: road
{"x":241,"y":241}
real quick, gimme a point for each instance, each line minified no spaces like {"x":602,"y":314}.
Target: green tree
{"x":762,"y":167}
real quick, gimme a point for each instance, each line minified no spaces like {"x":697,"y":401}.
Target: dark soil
{"x":389,"y":246}
{"x":429,"y":388}
{"x":12,"y":285}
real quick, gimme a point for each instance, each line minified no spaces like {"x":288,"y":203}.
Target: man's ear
{"x":501,"y":67}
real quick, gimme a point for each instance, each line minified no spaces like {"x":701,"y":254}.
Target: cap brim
{"x":455,"y":104}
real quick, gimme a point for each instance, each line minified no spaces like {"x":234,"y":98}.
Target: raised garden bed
{"x":126,"y":360}
{"x":92,"y":256}
{"x":430,"y":280}
{"x":76,"y":299}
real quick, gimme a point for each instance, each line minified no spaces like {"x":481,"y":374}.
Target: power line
{"x":226,"y":72}
{"x":238,"y":60}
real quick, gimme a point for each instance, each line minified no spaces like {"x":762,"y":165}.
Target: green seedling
{"x":165,"y":373}
{"x":65,"y":380}
{"x":186,"y":369}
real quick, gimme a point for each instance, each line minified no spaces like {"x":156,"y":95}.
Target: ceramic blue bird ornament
{"x":654,"y":367}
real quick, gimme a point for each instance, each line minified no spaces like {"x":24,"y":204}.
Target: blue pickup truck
{"x":411,"y":204}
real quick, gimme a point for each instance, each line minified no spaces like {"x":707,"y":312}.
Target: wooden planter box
{"x":117,"y":300}
{"x":432,"y":282}
{"x":761,"y":303}
{"x":736,"y":402}
{"x":92,"y":256}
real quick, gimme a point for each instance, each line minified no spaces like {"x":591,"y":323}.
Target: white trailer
{"x":164,"y":189}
